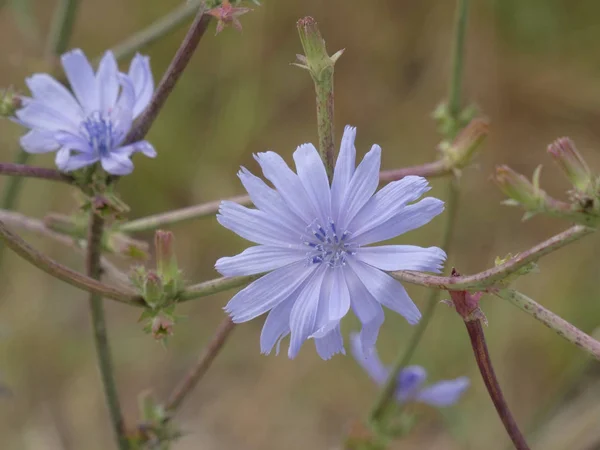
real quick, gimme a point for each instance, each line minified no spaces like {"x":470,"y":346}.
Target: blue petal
{"x":344,"y":169}
{"x":62,"y":157}
{"x":362,"y":186}
{"x":39,"y":141}
{"x":303,"y":317}
{"x":366,"y":308}
{"x":73,"y":142}
{"x":386,"y":290}
{"x":369,"y":362}
{"x":74,"y":162}
{"x":256,"y":226}
{"x":46,"y":89}
{"x":267,"y":292}
{"x":258,"y":259}
{"x":444,"y":393}
{"x":270,"y":202}
{"x":116,"y":164}
{"x":403,"y":257}
{"x":108,"y":81}
{"x":407,"y":219}
{"x":143,"y":81}
{"x":287,"y":184}
{"x":330,"y":344}
{"x":143,"y":147}
{"x":410,"y":379}
{"x":41,"y":116}
{"x":334,"y":302}
{"x":313,"y":176}
{"x":81,"y":77}
{"x":277,"y":326}
{"x":122,"y":115}
{"x":388,"y":202}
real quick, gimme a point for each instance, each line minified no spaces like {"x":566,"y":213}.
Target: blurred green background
{"x":532,"y":67}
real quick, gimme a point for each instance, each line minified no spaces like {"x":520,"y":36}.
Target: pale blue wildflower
{"x":313,"y":241}
{"x":91,"y":125}
{"x":409,"y":383}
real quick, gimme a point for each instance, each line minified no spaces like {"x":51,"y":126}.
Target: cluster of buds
{"x":584,"y":204}
{"x":159,"y":288}
{"x":155,"y":430}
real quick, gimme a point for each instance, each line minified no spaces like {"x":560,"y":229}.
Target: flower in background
{"x":91,"y":125}
{"x":409,"y":384}
{"x":313,"y":240}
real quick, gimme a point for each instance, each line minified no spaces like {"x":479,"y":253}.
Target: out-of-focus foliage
{"x":532,"y":68}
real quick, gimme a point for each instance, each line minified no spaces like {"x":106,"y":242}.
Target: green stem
{"x":62,"y":27}
{"x":386,"y":396}
{"x":105,"y":364}
{"x":156,"y":30}
{"x":324,"y":91}
{"x":321,"y":68}
{"x":458,"y":57}
{"x":556,"y":323}
{"x":486,"y":279}
{"x":179,"y":215}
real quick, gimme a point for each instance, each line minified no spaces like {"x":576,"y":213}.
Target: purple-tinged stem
{"x":64,"y":273}
{"x":433,"y":169}
{"x":171,"y":76}
{"x":486,"y":369}
{"x":22,"y":170}
{"x":197,"y":371}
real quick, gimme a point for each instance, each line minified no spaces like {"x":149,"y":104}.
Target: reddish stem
{"x":491,"y":383}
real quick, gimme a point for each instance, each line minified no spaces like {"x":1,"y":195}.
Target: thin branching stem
{"x":556,"y":323}
{"x":105,"y":364}
{"x":62,"y":27}
{"x":64,"y":273}
{"x":157,"y":29}
{"x":458,"y":59}
{"x":488,"y":374}
{"x":174,"y":217}
{"x":195,"y":374}
{"x":23,"y":170}
{"x":386,"y":396}
{"x":174,"y":71}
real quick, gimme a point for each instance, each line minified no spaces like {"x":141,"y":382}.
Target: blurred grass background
{"x":532,"y":67}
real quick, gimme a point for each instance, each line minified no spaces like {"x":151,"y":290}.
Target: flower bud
{"x":10,"y":102}
{"x":518,"y":188}
{"x":566,"y":156}
{"x":315,"y":58}
{"x":162,"y":327}
{"x":153,"y":290}
{"x":465,"y":145}
{"x":166,"y":261}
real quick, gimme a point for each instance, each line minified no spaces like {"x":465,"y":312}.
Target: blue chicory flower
{"x":91,"y":125}
{"x":313,"y":240}
{"x":409,"y":384}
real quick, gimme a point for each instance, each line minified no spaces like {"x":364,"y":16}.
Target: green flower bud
{"x":566,"y":156}
{"x":519,"y":189}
